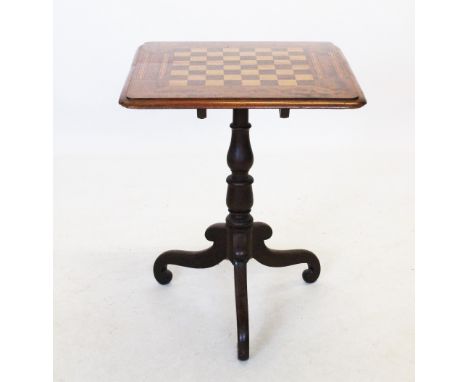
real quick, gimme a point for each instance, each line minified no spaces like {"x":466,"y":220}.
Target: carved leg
{"x":194,"y":259}
{"x":282,"y":258}
{"x":242,"y":310}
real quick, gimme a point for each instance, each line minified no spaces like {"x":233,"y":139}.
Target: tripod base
{"x":221,"y":235}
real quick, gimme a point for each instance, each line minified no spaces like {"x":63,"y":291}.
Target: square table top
{"x":225,"y":75}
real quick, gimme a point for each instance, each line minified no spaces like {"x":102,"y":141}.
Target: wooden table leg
{"x":242,"y":310}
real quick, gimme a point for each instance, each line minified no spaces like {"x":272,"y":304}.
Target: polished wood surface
{"x":202,"y":75}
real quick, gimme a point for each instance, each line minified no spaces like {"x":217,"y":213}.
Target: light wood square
{"x":215,"y":72}
{"x":295,"y":49}
{"x":266,"y":67}
{"x":287,"y":83}
{"x":279,"y":53}
{"x":283,"y":62}
{"x":301,"y":67}
{"x":214,"y":63}
{"x":215,"y":54}
{"x":199,"y":49}
{"x":196,"y":77}
{"x":197,"y":67}
{"x":251,"y":82}
{"x":263,"y":49}
{"x":232,"y":67}
{"x":230,"y":49}
{"x":214,"y":82}
{"x":265,"y":58}
{"x":305,"y":77}
{"x":297,"y":58}
{"x":249,"y":72}
{"x":248,"y":62}
{"x":232,"y":77}
{"x":181,"y":54}
{"x":268,"y":76}
{"x":231,"y":58}
{"x":284,"y":71}
{"x":178,"y":82}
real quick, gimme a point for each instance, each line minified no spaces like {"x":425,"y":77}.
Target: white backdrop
{"x":130,"y":184}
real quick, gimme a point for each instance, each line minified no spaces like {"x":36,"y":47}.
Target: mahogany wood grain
{"x":228,"y":75}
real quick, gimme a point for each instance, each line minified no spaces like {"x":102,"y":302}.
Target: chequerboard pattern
{"x":240,"y":66}
{"x":240,"y":74}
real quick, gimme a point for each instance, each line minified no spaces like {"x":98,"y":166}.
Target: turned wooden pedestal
{"x":239,"y":239}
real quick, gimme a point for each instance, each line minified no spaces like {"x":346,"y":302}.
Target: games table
{"x":240,"y":76}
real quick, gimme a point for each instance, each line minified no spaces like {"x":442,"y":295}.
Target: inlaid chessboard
{"x":246,"y":66}
{"x":243,"y":74}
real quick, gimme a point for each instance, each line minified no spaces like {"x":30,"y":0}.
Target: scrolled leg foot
{"x":194,"y":259}
{"x":283,"y":258}
{"x":162,"y":276}
{"x":311,"y":275}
